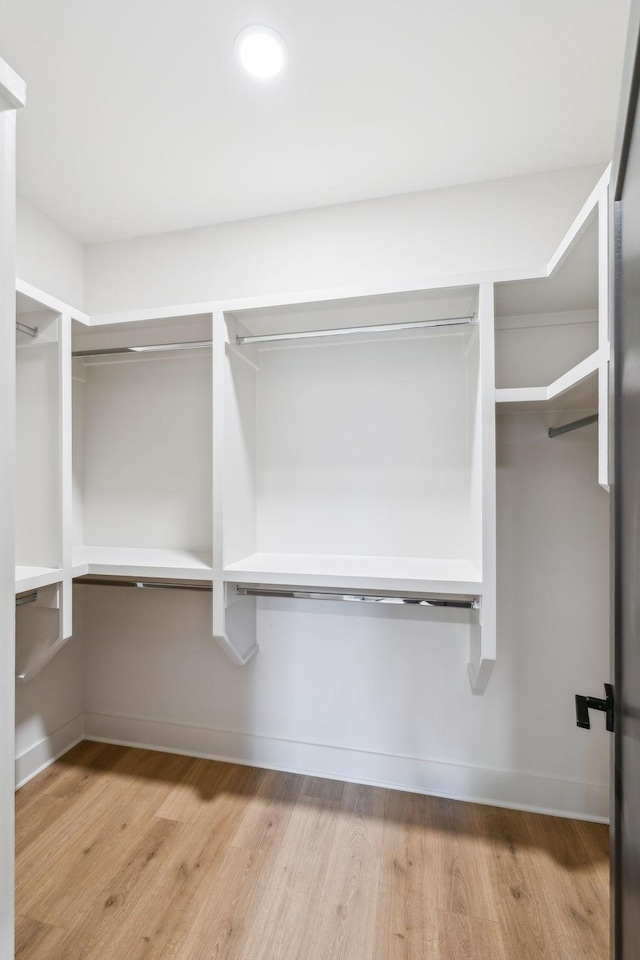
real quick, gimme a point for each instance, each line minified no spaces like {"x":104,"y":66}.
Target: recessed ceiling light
{"x":261,"y":51}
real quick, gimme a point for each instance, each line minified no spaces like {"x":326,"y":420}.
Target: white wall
{"x":47,"y":256}
{"x":50,"y":711}
{"x":146,"y":444}
{"x":492,"y":226}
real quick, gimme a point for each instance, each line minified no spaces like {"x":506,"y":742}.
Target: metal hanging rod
{"x":24,"y":328}
{"x":23,"y":598}
{"x":459,"y":602}
{"x":344,"y":331}
{"x":574,"y":425}
{"x":152,"y":348}
{"x":108,"y":581}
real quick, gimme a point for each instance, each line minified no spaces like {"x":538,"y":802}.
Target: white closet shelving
{"x":552,"y":337}
{"x":43,"y":587}
{"x":355,"y":462}
{"x":38,"y":468}
{"x":142,"y":451}
{"x":359,"y":463}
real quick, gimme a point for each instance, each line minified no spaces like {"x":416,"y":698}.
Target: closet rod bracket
{"x":24,"y":328}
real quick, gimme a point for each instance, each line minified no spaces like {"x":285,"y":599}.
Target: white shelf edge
{"x":370,"y":581}
{"x":579,"y":222}
{"x":49,"y":302}
{"x":170,"y":564}
{"x":529,"y":271}
{"x":586,"y":368}
{"x":38,"y":577}
{"x":138,"y":570}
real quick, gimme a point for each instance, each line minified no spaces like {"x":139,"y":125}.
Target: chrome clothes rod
{"x":574,"y":425}
{"x":462,"y":602}
{"x":23,"y":328}
{"x":143,"y":584}
{"x":344,"y":331}
{"x":30,"y":597}
{"x":152,"y":348}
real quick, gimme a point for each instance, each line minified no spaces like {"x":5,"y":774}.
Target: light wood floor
{"x":135,"y":855}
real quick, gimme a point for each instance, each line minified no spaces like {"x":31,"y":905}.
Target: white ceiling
{"x":138,"y":120}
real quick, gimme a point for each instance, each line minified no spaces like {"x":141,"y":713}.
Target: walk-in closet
{"x":310,"y":546}
{"x":314,"y":536}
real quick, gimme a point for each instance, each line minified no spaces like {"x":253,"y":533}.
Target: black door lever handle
{"x":584,"y":704}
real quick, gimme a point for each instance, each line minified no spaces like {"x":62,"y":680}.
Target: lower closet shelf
{"x":419,"y":574}
{"x":30,"y":578}
{"x":141,"y":562}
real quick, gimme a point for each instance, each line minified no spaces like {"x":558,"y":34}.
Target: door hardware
{"x":584,"y":704}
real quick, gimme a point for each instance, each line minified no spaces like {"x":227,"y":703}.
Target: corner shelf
{"x":576,"y":389}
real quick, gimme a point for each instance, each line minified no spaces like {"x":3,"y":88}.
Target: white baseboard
{"x":43,"y":753}
{"x":502,"y":788}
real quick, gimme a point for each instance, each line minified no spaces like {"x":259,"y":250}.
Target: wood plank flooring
{"x":127,"y":854}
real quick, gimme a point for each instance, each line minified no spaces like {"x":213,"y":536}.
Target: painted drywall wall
{"x":407,"y":240}
{"x":47,"y":256}
{"x":50,"y":711}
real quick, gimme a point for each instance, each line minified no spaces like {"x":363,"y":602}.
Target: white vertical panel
{"x":603,"y":340}
{"x":66,"y":472}
{"x":234,"y":504}
{"x":7,"y":499}
{"x":238,"y":385}
{"x":77,"y":467}
{"x":483,"y":637}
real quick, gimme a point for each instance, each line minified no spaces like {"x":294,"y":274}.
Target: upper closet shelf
{"x":357,"y":573}
{"x":30,"y":578}
{"x":576,"y":389}
{"x":139,"y":562}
